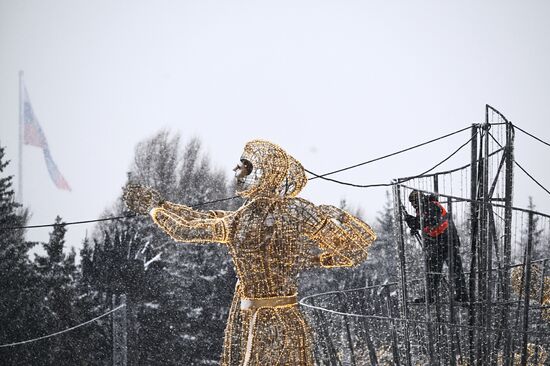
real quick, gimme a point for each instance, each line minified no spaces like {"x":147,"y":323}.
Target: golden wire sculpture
{"x":536,"y":356}
{"x":535,"y":288}
{"x":532,"y":351}
{"x":271,"y":238}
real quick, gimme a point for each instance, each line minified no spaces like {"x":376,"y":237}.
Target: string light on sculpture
{"x":535,"y":286}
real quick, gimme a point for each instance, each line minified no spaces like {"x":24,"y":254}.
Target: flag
{"x":32,"y":132}
{"x":56,"y":176}
{"x":34,"y":135}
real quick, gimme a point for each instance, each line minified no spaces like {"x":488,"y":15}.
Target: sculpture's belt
{"x":268,"y":302}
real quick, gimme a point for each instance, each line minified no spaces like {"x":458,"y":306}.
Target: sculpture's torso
{"x":269,"y":248}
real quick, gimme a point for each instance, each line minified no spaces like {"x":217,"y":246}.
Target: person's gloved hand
{"x":141,"y":199}
{"x":412,"y":222}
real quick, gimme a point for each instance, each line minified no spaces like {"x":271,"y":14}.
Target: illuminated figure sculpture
{"x":537,"y":284}
{"x":271,"y":238}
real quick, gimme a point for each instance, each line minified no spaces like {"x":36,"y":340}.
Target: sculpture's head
{"x":267,"y":170}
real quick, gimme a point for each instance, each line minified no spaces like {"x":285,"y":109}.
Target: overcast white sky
{"x":333,"y":82}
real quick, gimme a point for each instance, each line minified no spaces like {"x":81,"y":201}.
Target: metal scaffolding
{"x":506,"y":320}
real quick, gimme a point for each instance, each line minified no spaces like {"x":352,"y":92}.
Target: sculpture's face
{"x":266,"y":169}
{"x":243,"y":175}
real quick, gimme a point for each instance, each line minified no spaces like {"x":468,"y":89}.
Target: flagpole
{"x":20,"y":180}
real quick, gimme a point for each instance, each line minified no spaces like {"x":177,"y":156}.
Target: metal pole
{"x":481,"y":253}
{"x":488,"y":248}
{"x":120,"y":349}
{"x":527,"y":283}
{"x":124,"y":331}
{"x":473,"y":238}
{"x":440,"y":329}
{"x":493,"y":238}
{"x":395,"y":349}
{"x":428,"y":291}
{"x":402,"y":265}
{"x":132,"y":332}
{"x":451,"y":267}
{"x":116,"y":351}
{"x":508,"y":195}
{"x":537,"y":355}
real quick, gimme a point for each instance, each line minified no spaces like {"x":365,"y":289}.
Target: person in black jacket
{"x":438,"y":233}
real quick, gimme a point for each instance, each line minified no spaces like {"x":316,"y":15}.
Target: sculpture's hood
{"x":274,"y":172}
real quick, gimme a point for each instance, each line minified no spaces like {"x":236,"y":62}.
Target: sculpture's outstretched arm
{"x":342,"y":237}
{"x":181,"y":222}
{"x":191,"y":214}
{"x":197,"y":230}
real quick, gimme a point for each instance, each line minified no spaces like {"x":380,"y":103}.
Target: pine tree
{"x":57,"y":272}
{"x":94,"y":340}
{"x":19,"y":300}
{"x":383,"y":260}
{"x":540,"y":246}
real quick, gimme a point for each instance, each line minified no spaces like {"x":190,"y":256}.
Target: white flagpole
{"x":20,"y":180}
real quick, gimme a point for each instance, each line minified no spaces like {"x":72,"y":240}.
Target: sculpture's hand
{"x":141,"y":199}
